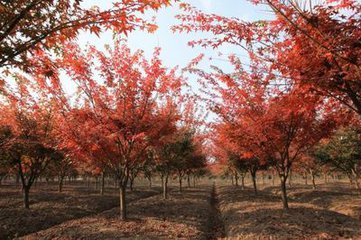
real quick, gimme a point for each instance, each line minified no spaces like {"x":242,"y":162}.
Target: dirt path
{"x":217,"y":230}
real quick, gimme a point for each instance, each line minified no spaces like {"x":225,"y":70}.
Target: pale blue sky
{"x":175,"y":51}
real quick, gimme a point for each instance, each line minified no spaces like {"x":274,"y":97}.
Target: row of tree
{"x":300,"y":84}
{"x":128,"y":114}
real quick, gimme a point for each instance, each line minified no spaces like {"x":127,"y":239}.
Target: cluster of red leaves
{"x":31,"y":25}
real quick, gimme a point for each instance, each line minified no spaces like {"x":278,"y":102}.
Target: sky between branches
{"x":175,"y":51}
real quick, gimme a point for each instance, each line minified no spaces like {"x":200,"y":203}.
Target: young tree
{"x":343,"y":152}
{"x":296,"y":43}
{"x":32,"y":146}
{"x":275,"y":125}
{"x":118,"y":119}
{"x":5,"y":159}
{"x":61,"y":167}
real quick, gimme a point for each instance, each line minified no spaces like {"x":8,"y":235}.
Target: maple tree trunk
{"x":102,"y":184}
{"x":150,"y":182}
{"x":96,"y":183}
{"x":131,"y":182}
{"x":284,"y":191}
{"x":236,"y":178}
{"x":357,"y":183}
{"x":313,"y":180}
{"x":1,"y":179}
{"x":356,"y":176}
{"x":242,"y":179}
{"x":165,"y":187}
{"x":254,"y":180}
{"x":290,"y":179}
{"x":123,"y":206}
{"x":333,"y":177}
{"x":180,"y":184}
{"x":350,"y":179}
{"x":26,"y":197}
{"x":60,"y":186}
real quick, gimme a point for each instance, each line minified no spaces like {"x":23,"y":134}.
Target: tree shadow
{"x":296,"y":223}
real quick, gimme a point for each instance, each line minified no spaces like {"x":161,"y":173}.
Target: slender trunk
{"x":254,"y":180}
{"x":350,"y":179}
{"x":325,"y":177}
{"x":165,"y":187}
{"x":150,"y":182}
{"x":306,"y":176}
{"x":284,"y":191}
{"x":236,"y":178}
{"x":273,"y":179}
{"x":96,"y":183}
{"x":313,"y":180}
{"x":232,"y":180}
{"x":180,"y":184}
{"x":188,"y":180}
{"x":356,"y":177}
{"x":131,"y":181}
{"x":60,"y":186}
{"x":102,"y":184}
{"x":333,"y":177}
{"x":123,"y":206}
{"x":26,"y":196}
{"x":357,"y":183}
{"x":290,"y":179}
{"x":242,"y":179}
{"x":263,"y":183}
{"x":194,"y":181}
{"x":116,"y":183}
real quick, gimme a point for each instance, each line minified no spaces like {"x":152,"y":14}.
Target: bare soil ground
{"x":49,"y":208}
{"x":331,"y":212}
{"x":183,"y":216}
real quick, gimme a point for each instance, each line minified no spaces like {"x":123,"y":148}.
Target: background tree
{"x":343,"y":152}
{"x":5,"y":159}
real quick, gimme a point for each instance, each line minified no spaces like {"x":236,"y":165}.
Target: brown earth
{"x":182,"y":216}
{"x":49,"y":208}
{"x":226,"y":212}
{"x":330,"y":212}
